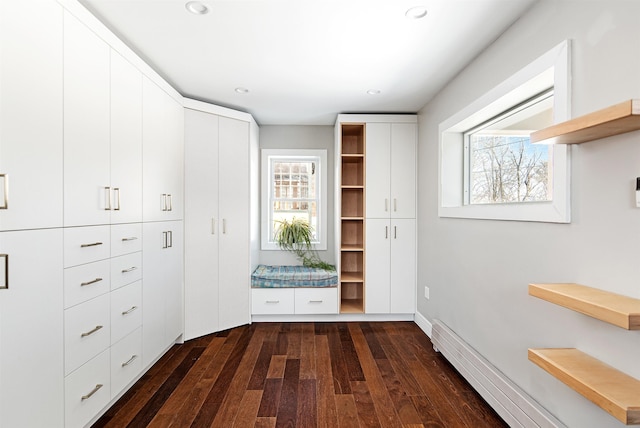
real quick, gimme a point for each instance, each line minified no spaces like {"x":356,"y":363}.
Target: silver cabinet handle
{"x":107,"y":195}
{"x":116,"y":192}
{"x":89,"y":333}
{"x":386,"y":232}
{"x":126,"y":363}
{"x":94,"y":244}
{"x":395,"y":204}
{"x":213,"y":226}
{"x":164,"y":240}
{"x":83,"y":284}
{"x":131,"y":269}
{"x":170,"y":202}
{"x":224,"y":225}
{"x":93,"y":391}
{"x":127,"y":312}
{"x":315,"y":301}
{"x":164,"y":202}
{"x":386,"y":204}
{"x":132,"y":238}
{"x":272,"y":301}
{"x":395,"y":232}
{"x":5,"y":278}
{"x":5,"y":191}
{"x":170,"y":238}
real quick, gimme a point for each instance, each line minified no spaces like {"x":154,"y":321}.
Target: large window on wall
{"x":293,"y":186}
{"x":488,"y":167}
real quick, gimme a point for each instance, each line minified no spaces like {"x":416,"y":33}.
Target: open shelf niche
{"x":352,"y":223}
{"x":615,"y":120}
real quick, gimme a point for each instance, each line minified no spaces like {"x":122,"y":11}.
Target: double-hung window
{"x":293,"y":186}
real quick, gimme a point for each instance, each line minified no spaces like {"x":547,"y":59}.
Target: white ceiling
{"x":304,"y":61}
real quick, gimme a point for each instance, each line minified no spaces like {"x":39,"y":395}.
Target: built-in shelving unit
{"x":612,"y":390}
{"x":617,"y":119}
{"x":609,"y":307}
{"x":352,"y":158}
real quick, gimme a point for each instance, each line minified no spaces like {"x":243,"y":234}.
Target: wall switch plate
{"x":426,"y":292}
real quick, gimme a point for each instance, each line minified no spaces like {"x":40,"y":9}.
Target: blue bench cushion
{"x":292,"y":276}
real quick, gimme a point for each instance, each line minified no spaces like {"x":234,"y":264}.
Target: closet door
{"x":403,"y":266}
{"x":378,"y":290}
{"x":31,"y":329}
{"x":378,"y":146}
{"x":86,"y":126}
{"x":30,"y":115}
{"x":126,"y":141}
{"x":202,"y":224}
{"x":234,"y":208}
{"x":403,"y":170}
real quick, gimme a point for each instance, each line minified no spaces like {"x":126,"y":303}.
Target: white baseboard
{"x":332,"y":317}
{"x":424,"y":324}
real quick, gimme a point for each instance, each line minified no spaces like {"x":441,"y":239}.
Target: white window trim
{"x":322,"y":191}
{"x":551,"y":69}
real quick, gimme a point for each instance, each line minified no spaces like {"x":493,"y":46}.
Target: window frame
{"x":267,"y":193}
{"x":550,"y":70}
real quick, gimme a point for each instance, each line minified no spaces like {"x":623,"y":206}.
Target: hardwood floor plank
{"x":400,"y":367}
{"x":367,"y":415}
{"x":249,"y":405}
{"x":404,"y":406}
{"x":307,"y":416}
{"x":428,"y":413}
{"x":294,"y":341}
{"x":261,"y":367}
{"x":270,"y":398}
{"x":288,"y":408}
{"x":349,"y":352}
{"x":347,"y":411}
{"x":265,"y":423}
{"x":341,"y":383}
{"x":282,"y":343}
{"x":308,"y":352}
{"x":372,"y":341}
{"x":276,"y":366}
{"x":327,"y":413}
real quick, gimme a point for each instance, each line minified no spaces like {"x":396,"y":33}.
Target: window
{"x":293,"y":186}
{"x":488,"y":169}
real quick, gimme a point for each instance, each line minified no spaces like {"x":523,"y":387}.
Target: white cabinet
{"x":102,"y":131}
{"x":30,"y":115}
{"x":31,"y":329}
{"x":391,"y":266}
{"x":162,"y":316}
{"x":391,"y":170}
{"x":218,"y":222}
{"x":163,"y":154}
{"x":299,"y":301}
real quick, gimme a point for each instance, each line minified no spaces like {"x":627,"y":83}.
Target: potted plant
{"x":295,"y":236}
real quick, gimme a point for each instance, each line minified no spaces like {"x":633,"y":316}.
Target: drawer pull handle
{"x":93,"y":391}
{"x":315,"y":301}
{"x":126,"y":363}
{"x":107,"y":193}
{"x":89,"y":333}
{"x":131,"y":269}
{"x":164,"y":202}
{"x":133,"y":308}
{"x":132,"y":238}
{"x":82,"y":284}
{"x":272,"y":301}
{"x":4,"y":281}
{"x":116,"y":191}
{"x":5,"y":192}
{"x":95,"y":244}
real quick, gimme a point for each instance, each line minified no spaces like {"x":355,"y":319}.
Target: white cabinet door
{"x":377,"y":275}
{"x":126,"y":141}
{"x":161,"y":287}
{"x":403,"y":170}
{"x":162,"y":154}
{"x":30,"y":115}
{"x":201,"y":224}
{"x":378,"y":146}
{"x":403,"y":266}
{"x":86,"y":126}
{"x":31,"y":329}
{"x":234,"y":200}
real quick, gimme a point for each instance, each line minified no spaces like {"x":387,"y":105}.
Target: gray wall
{"x":302,"y":137}
{"x":478,"y":270}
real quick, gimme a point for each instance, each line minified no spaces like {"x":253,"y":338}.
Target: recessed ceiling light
{"x":196,"y":8}
{"x":416,"y":12}
{"x":373,"y":91}
{"x":241,"y":90}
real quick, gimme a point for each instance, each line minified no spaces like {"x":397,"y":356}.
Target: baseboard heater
{"x":515,"y":406}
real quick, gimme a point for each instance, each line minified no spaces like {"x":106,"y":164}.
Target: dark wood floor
{"x":304,"y":375}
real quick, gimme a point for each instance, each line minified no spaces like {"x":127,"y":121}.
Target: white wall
{"x":302,"y":137}
{"x":478,"y":270}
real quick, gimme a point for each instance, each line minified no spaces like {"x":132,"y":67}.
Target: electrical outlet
{"x":426,"y":292}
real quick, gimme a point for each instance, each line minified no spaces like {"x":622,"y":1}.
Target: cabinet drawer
{"x":126,"y":361}
{"x":84,"y":282}
{"x":126,"y":238}
{"x":316,"y":301}
{"x":126,"y":310}
{"x":87,"y":332}
{"x":126,"y":269}
{"x":87,"y":391}
{"x":272,"y":301}
{"x":86,"y":245}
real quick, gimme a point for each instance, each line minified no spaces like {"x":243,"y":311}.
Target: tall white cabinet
{"x":220,"y":219}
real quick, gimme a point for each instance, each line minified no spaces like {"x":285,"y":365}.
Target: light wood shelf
{"x":351,"y":306}
{"x":617,"y":119}
{"x":615,"y":309}
{"x":351,"y":276}
{"x":614,"y":391}
{"x":350,"y":247}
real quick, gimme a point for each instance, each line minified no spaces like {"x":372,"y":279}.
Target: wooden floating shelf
{"x":346,"y":247}
{"x":351,"y":277}
{"x":353,"y":155}
{"x":617,"y":119}
{"x":614,"y":391}
{"x":615,"y":309}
